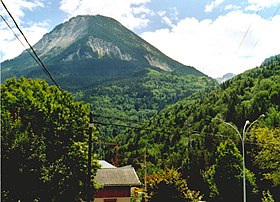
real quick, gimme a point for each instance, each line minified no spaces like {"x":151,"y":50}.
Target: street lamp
{"x":242,"y":138}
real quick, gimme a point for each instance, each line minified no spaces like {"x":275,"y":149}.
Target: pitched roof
{"x":105,"y":164}
{"x":124,"y":176}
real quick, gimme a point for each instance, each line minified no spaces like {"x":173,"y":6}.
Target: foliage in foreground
{"x":267,"y":153}
{"x":170,"y":186}
{"x":43,"y":142}
{"x":225,"y":176}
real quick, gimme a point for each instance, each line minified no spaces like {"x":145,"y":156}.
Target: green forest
{"x":140,"y":97}
{"x":189,"y":136}
{"x":44,"y":144}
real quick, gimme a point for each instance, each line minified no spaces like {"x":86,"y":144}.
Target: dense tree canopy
{"x":186,"y":134}
{"x":225,"y":176}
{"x":43,"y":142}
{"x":170,"y":186}
{"x":141,"y":96}
{"x":267,"y":155}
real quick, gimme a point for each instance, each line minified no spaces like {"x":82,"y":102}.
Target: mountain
{"x":151,"y":104}
{"x":87,"y":50}
{"x":225,"y":77}
{"x":111,"y":68}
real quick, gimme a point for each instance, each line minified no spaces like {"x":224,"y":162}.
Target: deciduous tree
{"x":43,"y":142}
{"x":225,"y":176}
{"x":170,"y":186}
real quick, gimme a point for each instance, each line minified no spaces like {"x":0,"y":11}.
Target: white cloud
{"x":131,"y":13}
{"x":167,"y":21}
{"x":261,"y":4}
{"x":17,"y":8}
{"x":210,"y":6}
{"x":169,"y":17}
{"x":161,"y":13}
{"x":232,"y":7}
{"x":174,"y":13}
{"x":10,"y":46}
{"x":213,"y":46}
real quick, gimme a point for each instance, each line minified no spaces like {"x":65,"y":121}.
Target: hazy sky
{"x":214,"y":36}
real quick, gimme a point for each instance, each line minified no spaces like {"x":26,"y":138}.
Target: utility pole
{"x":145,"y":174}
{"x":116,"y":147}
{"x":89,"y":156}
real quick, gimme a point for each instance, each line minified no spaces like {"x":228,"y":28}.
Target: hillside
{"x":150,"y":104}
{"x":105,"y":64}
{"x":186,"y":135}
{"x":271,"y":60}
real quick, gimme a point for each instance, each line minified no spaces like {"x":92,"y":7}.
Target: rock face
{"x":87,"y":50}
{"x":225,"y":77}
{"x":63,"y":37}
{"x":96,"y":48}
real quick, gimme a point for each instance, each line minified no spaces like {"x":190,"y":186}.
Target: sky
{"x":214,"y":36}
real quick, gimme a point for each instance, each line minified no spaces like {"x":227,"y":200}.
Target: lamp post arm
{"x":244,"y":129}
{"x":262,"y":115}
{"x":243,"y":147}
{"x":235,"y":128}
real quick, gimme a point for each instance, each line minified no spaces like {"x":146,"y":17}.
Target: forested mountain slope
{"x":186,"y":135}
{"x":105,"y":64}
{"x":141,"y":97}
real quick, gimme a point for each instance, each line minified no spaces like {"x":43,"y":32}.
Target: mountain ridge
{"x":108,"y":66}
{"x":225,"y":77}
{"x":93,"y":43}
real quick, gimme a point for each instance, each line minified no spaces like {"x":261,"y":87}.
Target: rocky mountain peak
{"x":94,"y":47}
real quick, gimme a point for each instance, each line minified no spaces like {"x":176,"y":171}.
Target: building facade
{"x":118,"y":183}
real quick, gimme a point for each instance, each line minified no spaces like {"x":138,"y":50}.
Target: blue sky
{"x":214,"y":36}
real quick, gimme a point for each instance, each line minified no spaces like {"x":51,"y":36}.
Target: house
{"x":118,"y":183}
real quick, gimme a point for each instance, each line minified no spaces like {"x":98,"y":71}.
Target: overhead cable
{"x":207,"y":135}
{"x":20,"y":40}
{"x":41,"y":64}
{"x":247,"y":31}
{"x":261,"y":36}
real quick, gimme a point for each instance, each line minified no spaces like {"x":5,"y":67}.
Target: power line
{"x":246,"y":33}
{"x":207,"y":135}
{"x":276,"y":11}
{"x":113,"y":117}
{"x":38,"y":61}
{"x":20,"y":40}
{"x":126,"y":126}
{"x":261,"y":36}
{"x":215,"y":136}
